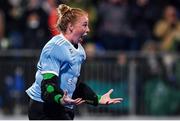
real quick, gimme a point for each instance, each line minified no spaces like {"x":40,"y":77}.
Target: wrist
{"x":99,"y":98}
{"x":58,"y":98}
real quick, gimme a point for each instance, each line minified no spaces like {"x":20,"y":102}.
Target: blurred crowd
{"x":128,"y":25}
{"x":146,"y":26}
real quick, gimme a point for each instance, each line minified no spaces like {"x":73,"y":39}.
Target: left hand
{"x":67,"y":100}
{"x":105,"y":99}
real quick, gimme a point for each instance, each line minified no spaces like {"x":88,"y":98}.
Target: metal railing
{"x":133,"y":75}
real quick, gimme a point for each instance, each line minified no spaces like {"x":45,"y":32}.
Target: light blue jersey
{"x":61,"y":58}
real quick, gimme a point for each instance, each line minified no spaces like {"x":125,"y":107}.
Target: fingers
{"x":65,"y":93}
{"x":82,"y":101}
{"x":78,"y":101}
{"x":117,"y":99}
{"x":110,"y":91}
{"x":114,"y":101}
{"x":67,"y":100}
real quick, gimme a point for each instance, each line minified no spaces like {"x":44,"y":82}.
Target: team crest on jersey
{"x":70,"y":82}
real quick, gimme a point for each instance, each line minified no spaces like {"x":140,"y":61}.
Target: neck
{"x":70,"y":38}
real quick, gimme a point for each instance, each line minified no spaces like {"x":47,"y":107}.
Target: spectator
{"x":8,"y":95}
{"x":19,"y":89}
{"x":4,"y":43}
{"x":114,"y":31}
{"x":50,"y":7}
{"x":143,"y":16}
{"x":36,"y":32}
{"x":167,"y":29}
{"x":14,"y":19}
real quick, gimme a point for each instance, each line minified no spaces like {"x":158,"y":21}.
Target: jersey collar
{"x":69,"y":42}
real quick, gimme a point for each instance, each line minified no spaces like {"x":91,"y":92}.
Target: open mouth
{"x":83,"y":37}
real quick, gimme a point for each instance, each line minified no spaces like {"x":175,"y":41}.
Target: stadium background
{"x":133,"y":47}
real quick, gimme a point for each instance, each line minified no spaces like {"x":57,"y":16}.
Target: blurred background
{"x":133,"y":47}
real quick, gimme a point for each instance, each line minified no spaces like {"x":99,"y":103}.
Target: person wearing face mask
{"x":35,"y":27}
{"x":56,"y":90}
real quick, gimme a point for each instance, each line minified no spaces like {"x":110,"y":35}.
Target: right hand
{"x":106,"y":99}
{"x":67,"y":100}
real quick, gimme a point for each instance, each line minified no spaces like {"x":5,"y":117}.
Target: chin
{"x":80,"y":40}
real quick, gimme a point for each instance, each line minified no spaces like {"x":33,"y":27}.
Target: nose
{"x":88,"y":30}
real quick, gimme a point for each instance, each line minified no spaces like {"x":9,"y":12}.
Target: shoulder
{"x":56,"y":43}
{"x":56,"y":48}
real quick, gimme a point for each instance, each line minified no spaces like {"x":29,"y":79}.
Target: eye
{"x":85,"y":25}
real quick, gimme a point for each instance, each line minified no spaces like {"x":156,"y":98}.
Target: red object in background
{"x":52,"y":20}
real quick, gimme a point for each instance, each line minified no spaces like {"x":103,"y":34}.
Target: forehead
{"x":82,"y":19}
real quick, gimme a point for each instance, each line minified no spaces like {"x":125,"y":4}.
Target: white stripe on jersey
{"x":53,"y":72}
{"x":60,"y":42}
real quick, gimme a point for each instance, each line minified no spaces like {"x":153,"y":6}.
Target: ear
{"x":70,"y":27}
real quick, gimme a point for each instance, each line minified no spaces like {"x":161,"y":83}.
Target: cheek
{"x":79,"y":31}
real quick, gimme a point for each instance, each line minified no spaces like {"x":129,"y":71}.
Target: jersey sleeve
{"x":51,"y":60}
{"x":86,"y":93}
